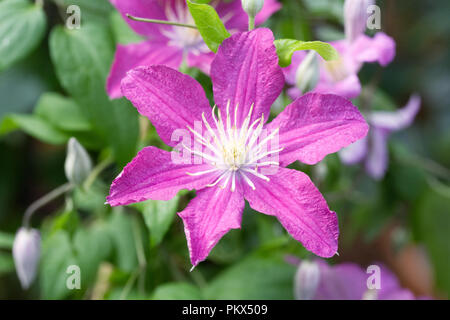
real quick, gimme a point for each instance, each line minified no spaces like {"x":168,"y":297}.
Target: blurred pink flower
{"x":316,"y":280}
{"x":341,"y":76}
{"x":167,"y":45}
{"x":246,"y":81}
{"x":373,"y":149}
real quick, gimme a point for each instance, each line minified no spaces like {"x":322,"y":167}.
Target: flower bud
{"x":307,"y":74}
{"x":307,"y":280}
{"x":26,"y":254}
{"x":252,"y":7}
{"x":78,"y":164}
{"x":355,"y":17}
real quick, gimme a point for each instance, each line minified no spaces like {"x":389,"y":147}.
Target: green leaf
{"x":431,"y":221}
{"x":209,"y":24}
{"x":6,"y":240}
{"x":82,"y":59}
{"x":63,"y":113}
{"x":287,"y":47}
{"x":121,"y":230}
{"x":34,"y":126}
{"x":177,"y":291}
{"x":57,"y":255}
{"x":259,"y":277}
{"x":22,"y":27}
{"x":92,"y":247}
{"x":6,"y":263}
{"x":123,"y":34}
{"x":96,"y":11}
{"x":67,"y":221}
{"x":158,"y":216}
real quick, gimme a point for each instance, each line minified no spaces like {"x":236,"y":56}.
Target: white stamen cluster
{"x":234,"y":152}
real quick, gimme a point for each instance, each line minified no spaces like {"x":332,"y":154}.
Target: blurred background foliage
{"x":53,"y":88}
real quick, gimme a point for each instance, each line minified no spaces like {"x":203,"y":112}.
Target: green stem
{"x":251,"y":23}
{"x":140,"y":254}
{"x":95,"y":172}
{"x":161,"y":22}
{"x":428,"y":165}
{"x":44,"y":200}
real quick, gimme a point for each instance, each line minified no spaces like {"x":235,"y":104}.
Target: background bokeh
{"x":402,"y":220}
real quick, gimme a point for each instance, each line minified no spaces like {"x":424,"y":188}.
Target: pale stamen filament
{"x":235,"y":151}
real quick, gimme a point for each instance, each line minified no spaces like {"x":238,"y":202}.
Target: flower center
{"x":182,"y":37}
{"x":236,"y":152}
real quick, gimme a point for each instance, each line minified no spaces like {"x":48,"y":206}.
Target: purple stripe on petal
{"x":150,"y":9}
{"x":295,"y":201}
{"x":169,"y":99}
{"x":245,"y":72}
{"x":140,"y":54}
{"x":316,"y":125}
{"x":153,"y":175}
{"x":209,"y":216}
{"x":396,"y":120}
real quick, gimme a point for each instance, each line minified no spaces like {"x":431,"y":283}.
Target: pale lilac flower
{"x":373,"y":149}
{"x":26,"y":254}
{"x":246,"y":81}
{"x":341,"y":76}
{"x":347,"y":281}
{"x":167,"y":45}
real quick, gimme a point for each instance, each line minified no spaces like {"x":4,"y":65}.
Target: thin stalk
{"x":140,"y":254}
{"x":96,"y":172}
{"x":177,"y":24}
{"x":44,"y":200}
{"x":251,"y":23}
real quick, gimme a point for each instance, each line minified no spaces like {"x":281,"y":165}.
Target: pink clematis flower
{"x":168,"y":45}
{"x":316,"y":280}
{"x":246,"y":81}
{"x":341,"y":76}
{"x":373,"y":149}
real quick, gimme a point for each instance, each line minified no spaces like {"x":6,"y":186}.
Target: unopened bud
{"x":307,"y":74}
{"x":355,"y":17}
{"x":78,"y":164}
{"x":307,"y":280}
{"x":252,"y":7}
{"x":26,"y":254}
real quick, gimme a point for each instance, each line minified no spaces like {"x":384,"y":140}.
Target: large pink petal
{"x":150,"y":9}
{"x":236,"y":19}
{"x":316,"y":125}
{"x":396,"y":120}
{"x":245,"y":72}
{"x":380,"y":48}
{"x":169,"y":99}
{"x":153,"y":175}
{"x":299,"y":206}
{"x":146,"y":53}
{"x":209,"y":216}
